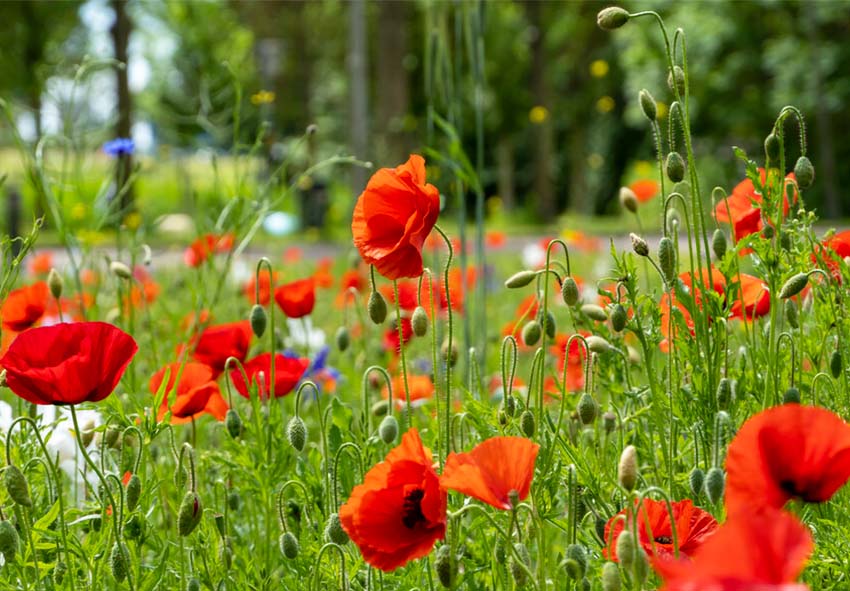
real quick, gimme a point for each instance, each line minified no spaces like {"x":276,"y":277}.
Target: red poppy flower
{"x":201,"y":249}
{"x":68,"y":363}
{"x":493,"y":470}
{"x":266,"y":287}
{"x":787,"y":452}
{"x":393,"y":217}
{"x":421,"y":389}
{"x":24,"y":306}
{"x":221,"y":341}
{"x":352,"y":278}
{"x":296,"y":299}
{"x":644,"y":189}
{"x":693,"y":527}
{"x":195,"y":388}
{"x":399,"y":511}
{"x":837,"y":247}
{"x":391,"y":340}
{"x":756,"y":299}
{"x":495,"y":239}
{"x":287,"y":373}
{"x":752,"y":551}
{"x":408,"y":291}
{"x":742,"y":208}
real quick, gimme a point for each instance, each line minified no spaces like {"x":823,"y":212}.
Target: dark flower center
{"x":798,"y":490}
{"x":412,"y":508}
{"x":664,"y":540}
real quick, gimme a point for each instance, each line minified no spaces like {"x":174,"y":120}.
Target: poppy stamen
{"x":412,"y":508}
{"x":663,"y":540}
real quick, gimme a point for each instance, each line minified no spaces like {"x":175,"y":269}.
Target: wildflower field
{"x":435,"y":405}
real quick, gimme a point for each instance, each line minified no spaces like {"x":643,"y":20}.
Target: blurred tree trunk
{"x":358,"y":85}
{"x":505,"y":164}
{"x":543,"y":134}
{"x":121,"y":29}
{"x":33,"y":56}
{"x":393,"y":96}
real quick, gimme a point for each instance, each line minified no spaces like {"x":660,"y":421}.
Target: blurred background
{"x":557,"y":97}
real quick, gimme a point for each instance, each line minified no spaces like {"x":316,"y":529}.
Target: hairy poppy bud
{"x":715,"y":483}
{"x":334,"y":532}
{"x":772,"y":148}
{"x":597,"y":344}
{"x":612,"y":18}
{"x":576,"y":554}
{"x":791,"y":396}
{"x":724,"y":392}
{"x":531,"y":333}
{"x":55,"y":283}
{"x":444,"y":565}
{"x":569,"y":291}
{"x":517,"y":572}
{"x":233,"y":423}
{"x":220,"y":526}
{"x":696,"y":480}
{"x":16,"y":485}
{"x":449,"y":356}
{"x":111,"y":437}
{"x":120,"y":270}
{"x":343,"y":340}
{"x":667,"y":259}
{"x":628,"y":199}
{"x":586,"y":409}
{"x":791,"y":313}
{"x":573,"y":569}
{"x":626,"y":548}
{"x":527,"y":423}
{"x":234,"y":500}
{"x":258,"y":320}
{"x":380,"y":408}
{"x":133,"y":527}
{"x":595,"y":312}
{"x":193,"y":585}
{"x":609,"y":421}
{"x":59,"y":572}
{"x":675,"y":167}
{"x":548,"y":323}
{"x":190,"y":513}
{"x":225,"y":551}
{"x":377,"y":308}
{"x":618,"y":317}
{"x":134,"y":491}
{"x":794,"y":285}
{"x":785,"y":241}
{"x":611,"y":577}
{"x":9,"y":540}
{"x":805,"y":172}
{"x":639,"y":245}
{"x":520,"y":279}
{"x":627,"y":469}
{"x":118,"y":562}
{"x":419,"y":321}
{"x":296,"y":432}
{"x":676,"y":80}
{"x":509,"y":403}
{"x":641,"y":566}
{"x":648,"y":105}
{"x":835,"y":364}
{"x":289,"y":546}
{"x":388,"y":430}
{"x":718,"y":243}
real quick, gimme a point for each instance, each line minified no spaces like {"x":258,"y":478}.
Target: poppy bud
{"x":419,"y":321}
{"x":134,"y":491}
{"x":626,"y":548}
{"x":526,"y":423}
{"x":190,"y":513}
{"x":648,"y":105}
{"x":548,"y":323}
{"x":676,"y":80}
{"x":595,"y":312}
{"x":715,"y":483}
{"x":586,"y":409}
{"x":233,"y":423}
{"x":120,"y":270}
{"x":641,"y":566}
{"x":388,"y":429}
{"x":193,"y":585}
{"x":696,"y":479}
{"x":517,"y":572}
{"x":772,"y":148}
{"x":289,"y":546}
{"x":785,"y":240}
{"x":296,"y":432}
{"x":612,"y":18}
{"x":573,"y":569}
{"x":377,"y":308}
{"x":380,"y":408}
{"x":597,"y":344}
{"x":16,"y":485}
{"x":667,"y":259}
{"x":791,"y":313}
{"x":334,"y":532}
{"x":234,"y":500}
{"x":445,"y":566}
{"x":8,"y":540}
{"x":835,"y":364}
{"x":111,"y":437}
{"x":503,"y":417}
{"x":618,"y":317}
{"x":611,"y":577}
{"x":794,"y":285}
{"x":220,"y":526}
{"x":569,"y":291}
{"x":791,"y":396}
{"x":225,"y":552}
{"x":675,"y":167}
{"x":59,"y":572}
{"x":628,"y":199}
{"x":55,"y":283}
{"x":609,"y":421}
{"x":627,"y":469}
{"x":639,"y":245}
{"x":87,"y":434}
{"x":258,"y":320}
{"x":531,"y":333}
{"x":718,"y":243}
{"x":510,"y":405}
{"x":343,"y":339}
{"x":118,"y":562}
{"x":520,"y":279}
{"x":805,"y":172}
{"x":724,"y":392}
{"x":133,"y":527}
{"x":449,"y":357}
{"x":577,"y":554}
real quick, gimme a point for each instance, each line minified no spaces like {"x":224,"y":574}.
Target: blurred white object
{"x":302,"y":335}
{"x":279,"y":223}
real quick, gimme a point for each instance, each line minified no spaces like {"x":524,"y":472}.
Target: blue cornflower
{"x":120,"y":146}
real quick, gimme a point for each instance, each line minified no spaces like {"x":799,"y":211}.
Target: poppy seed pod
{"x":517,"y":572}
{"x":718,"y":243}
{"x":805,"y":172}
{"x":9,"y":540}
{"x":134,"y":491}
{"x":835,"y":364}
{"x":626,"y":548}
{"x":569,"y":291}
{"x":16,"y":486}
{"x":612,"y":18}
{"x":791,"y":396}
{"x":419,"y":321}
{"x":120,"y":270}
{"x":696,"y":480}
{"x":794,"y":285}
{"x":618,"y":317}
{"x":334,"y":532}
{"x":527,"y":423}
{"x":586,"y":409}
{"x":595,"y":312}
{"x":377,"y":308}
{"x":289,"y":546}
{"x":675,"y":167}
{"x":190,"y":513}
{"x":118,"y":562}
{"x":792,"y":314}
{"x":520,"y":279}
{"x":648,"y":105}
{"x":258,"y":320}
{"x":627,"y":469}
{"x":444,"y":565}
{"x":343,"y":339}
{"x":531,"y":333}
{"x":667,"y":259}
{"x":388,"y":431}
{"x":676,"y":80}
{"x":611,"y":577}
{"x":715,"y":483}
{"x":55,"y":283}
{"x":628,"y":199}
{"x":639,"y":245}
{"x":296,"y":432}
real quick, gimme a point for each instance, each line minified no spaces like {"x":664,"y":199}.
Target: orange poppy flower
{"x":495,"y":239}
{"x":399,"y":511}
{"x":352,"y":278}
{"x":292,"y":255}
{"x":221,"y":341}
{"x":421,"y":389}
{"x":266,"y":287}
{"x":742,"y":208}
{"x":297,"y":298}
{"x":787,"y":452}
{"x":24,"y":306}
{"x":323,"y":276}
{"x":194,"y":391}
{"x":201,"y":249}
{"x":752,"y":551}
{"x":644,"y":189}
{"x":40,"y":263}
{"x":837,"y":247}
{"x":493,"y":471}
{"x":393,"y":217}
{"x":693,"y":527}
{"x":753,"y":301}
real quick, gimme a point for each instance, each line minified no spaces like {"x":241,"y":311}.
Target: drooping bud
{"x":419,"y":321}
{"x":835,"y":364}
{"x":9,"y":540}
{"x":388,"y":430}
{"x":718,"y":243}
{"x":134,"y":491}
{"x":578,"y":554}
{"x":772,"y":148}
{"x":648,"y":105}
{"x":527,"y":423}
{"x":611,"y":577}
{"x":133,"y":527}
{"x":334,"y":532}
{"x":639,"y":245}
{"x":509,"y":404}
{"x":641,"y":566}
{"x":619,"y":318}
{"x":667,"y":258}
{"x":569,"y":291}
{"x":597,"y":344}
{"x":792,"y":314}
{"x":794,"y":285}
{"x":628,"y":199}
{"x":626,"y":548}
{"x":517,"y":572}
{"x":380,"y":408}
{"x":118,"y":561}
{"x":594,"y":312}
{"x":296,"y":432}
{"x":676,"y":80}
{"x":120,"y":270}
{"x":586,"y":409}
{"x":233,"y":423}
{"x":548,"y":323}
{"x":55,"y":283}
{"x":724,"y":393}
{"x":225,"y":551}
{"x":377,"y":308}
{"x":696,"y":480}
{"x":343,"y":339}
{"x":445,"y":566}
{"x":190,"y":513}
{"x":715,"y":483}
{"x":289,"y":545}
{"x":111,"y":437}
{"x":627,"y":469}
{"x":258,"y":320}
{"x":234,"y":500}
{"x":520,"y":279}
{"x":675,"y":167}
{"x":16,"y":486}
{"x":791,"y":396}
{"x":531,"y":333}
{"x":805,"y":172}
